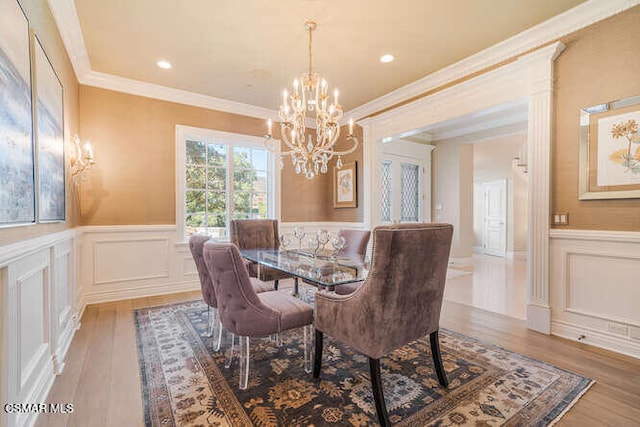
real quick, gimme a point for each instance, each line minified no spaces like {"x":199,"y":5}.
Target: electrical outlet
{"x":561,"y":218}
{"x":618,"y":329}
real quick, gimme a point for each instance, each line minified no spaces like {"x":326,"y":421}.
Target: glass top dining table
{"x":321,"y":270}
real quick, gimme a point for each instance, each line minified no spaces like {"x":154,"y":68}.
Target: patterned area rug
{"x":185,"y":383}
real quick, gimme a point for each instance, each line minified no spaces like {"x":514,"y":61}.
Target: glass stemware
{"x":285,"y":241}
{"x":338,"y":244}
{"x":323,"y":237}
{"x":298,"y":233}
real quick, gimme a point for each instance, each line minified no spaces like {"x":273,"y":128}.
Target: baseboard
{"x":516,"y":255}
{"x":146,"y":291}
{"x":539,"y":318}
{"x":461,"y":261}
{"x":478,"y":250}
{"x":596,"y":338}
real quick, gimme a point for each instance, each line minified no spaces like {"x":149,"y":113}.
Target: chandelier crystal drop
{"x":310,"y":97}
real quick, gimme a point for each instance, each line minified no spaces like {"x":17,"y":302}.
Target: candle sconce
{"x":82,"y":158}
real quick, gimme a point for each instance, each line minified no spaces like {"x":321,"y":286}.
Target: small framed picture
{"x":610,"y":150}
{"x":345,"y":193}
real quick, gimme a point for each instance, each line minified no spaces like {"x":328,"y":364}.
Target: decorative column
{"x":538,"y":70}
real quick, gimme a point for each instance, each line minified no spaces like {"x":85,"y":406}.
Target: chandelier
{"x":310,"y":96}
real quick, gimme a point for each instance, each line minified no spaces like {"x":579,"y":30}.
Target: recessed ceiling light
{"x":164,"y":64}
{"x":386,"y":58}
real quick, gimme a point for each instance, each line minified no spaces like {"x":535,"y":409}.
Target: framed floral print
{"x":610,"y":150}
{"x":345,"y":193}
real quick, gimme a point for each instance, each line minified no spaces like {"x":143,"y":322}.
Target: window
{"x":221,"y":177}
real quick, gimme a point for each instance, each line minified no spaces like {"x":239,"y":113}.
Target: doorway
{"x":495,"y":218}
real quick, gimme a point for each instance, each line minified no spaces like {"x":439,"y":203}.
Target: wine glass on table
{"x":338,"y":244}
{"x":285,"y":241}
{"x":298,"y":233}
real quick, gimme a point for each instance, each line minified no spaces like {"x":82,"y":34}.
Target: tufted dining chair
{"x":399,"y":301}
{"x":247,"y":314}
{"x":258,"y":234}
{"x":196,"y":246}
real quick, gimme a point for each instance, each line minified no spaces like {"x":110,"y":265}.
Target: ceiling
{"x":249,"y":50}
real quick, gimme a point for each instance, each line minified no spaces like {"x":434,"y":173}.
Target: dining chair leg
{"x":244,"y":357}
{"x":437,"y":359}
{"x":229,"y":359}
{"x":217,"y":331}
{"x":209,"y":321}
{"x":317,"y":357}
{"x":307,"y":330}
{"x":275,"y":284}
{"x":378,"y":394}
{"x":296,"y":287}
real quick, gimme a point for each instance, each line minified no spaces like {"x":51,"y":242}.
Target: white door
{"x":401,"y":190}
{"x":495,"y":218}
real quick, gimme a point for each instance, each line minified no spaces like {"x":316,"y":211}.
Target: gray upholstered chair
{"x":247,"y":314}
{"x":258,"y":234}
{"x":399,"y":302}
{"x":196,"y":244}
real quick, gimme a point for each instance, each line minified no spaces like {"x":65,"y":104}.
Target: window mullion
{"x":230,"y":207}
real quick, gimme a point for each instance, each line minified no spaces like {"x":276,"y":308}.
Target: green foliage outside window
{"x":206,"y":186}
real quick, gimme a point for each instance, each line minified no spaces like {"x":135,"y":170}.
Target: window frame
{"x":231,"y":140}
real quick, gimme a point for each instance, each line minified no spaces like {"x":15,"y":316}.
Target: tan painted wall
{"x":599,"y":64}
{"x":134,"y":142}
{"x":41,"y":21}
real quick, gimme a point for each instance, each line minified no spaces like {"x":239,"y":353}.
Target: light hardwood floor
{"x":101,"y":377}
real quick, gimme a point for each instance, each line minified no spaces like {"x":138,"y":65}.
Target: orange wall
{"x":42,"y":23}
{"x":600,"y":63}
{"x":134,"y":143}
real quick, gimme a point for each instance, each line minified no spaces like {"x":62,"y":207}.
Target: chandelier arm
{"x":345,"y":152}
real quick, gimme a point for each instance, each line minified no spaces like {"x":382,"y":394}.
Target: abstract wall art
{"x":50,"y":139}
{"x":17,"y":184}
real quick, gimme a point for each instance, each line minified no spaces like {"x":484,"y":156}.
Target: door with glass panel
{"x":401,"y":190}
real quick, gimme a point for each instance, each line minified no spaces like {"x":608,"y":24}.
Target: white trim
{"x":66,"y":17}
{"x":147,"y":291}
{"x":596,"y":338}
{"x":570,"y":21}
{"x":164,"y":93}
{"x":16,"y":250}
{"x":478,"y":250}
{"x":596,"y":235}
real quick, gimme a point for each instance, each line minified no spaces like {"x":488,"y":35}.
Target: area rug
{"x":185,"y":383}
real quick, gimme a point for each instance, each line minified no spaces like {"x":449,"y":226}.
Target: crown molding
{"x":164,"y":93}
{"x":568,"y":22}
{"x":66,"y":17}
{"x":590,"y":12}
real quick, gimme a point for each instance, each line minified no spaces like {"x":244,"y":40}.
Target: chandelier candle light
{"x":310,"y":95}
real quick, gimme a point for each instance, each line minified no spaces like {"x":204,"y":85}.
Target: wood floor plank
{"x":125,"y":387}
{"x":102,"y":377}
{"x":91,"y":398}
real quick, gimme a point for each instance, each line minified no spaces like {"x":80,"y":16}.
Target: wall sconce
{"x":82,"y":158}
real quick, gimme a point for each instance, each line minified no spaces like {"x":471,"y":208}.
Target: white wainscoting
{"x":121,"y":262}
{"x":39,"y":314}
{"x":595,"y":288}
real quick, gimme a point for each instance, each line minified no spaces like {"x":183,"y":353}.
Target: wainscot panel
{"x":39,"y":314}
{"x":595,"y":288}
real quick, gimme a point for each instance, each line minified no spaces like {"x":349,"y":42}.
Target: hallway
{"x":490,"y":283}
